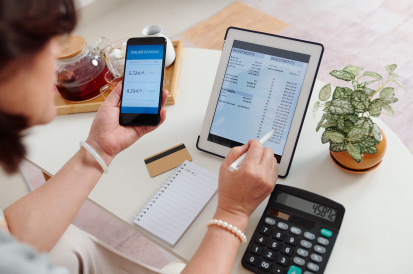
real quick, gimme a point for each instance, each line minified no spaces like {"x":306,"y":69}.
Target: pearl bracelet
{"x":229,"y":227}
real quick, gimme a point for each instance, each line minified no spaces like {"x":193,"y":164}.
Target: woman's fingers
{"x":114,"y":97}
{"x":234,"y":154}
{"x":254,"y":153}
{"x":267,"y":159}
{"x":165,"y":94}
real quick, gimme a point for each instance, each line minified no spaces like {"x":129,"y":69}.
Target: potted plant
{"x":356,"y":142}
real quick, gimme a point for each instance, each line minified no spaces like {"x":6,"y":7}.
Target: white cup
{"x":156,"y":31}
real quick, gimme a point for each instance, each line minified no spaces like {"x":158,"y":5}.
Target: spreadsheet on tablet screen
{"x":259,"y":93}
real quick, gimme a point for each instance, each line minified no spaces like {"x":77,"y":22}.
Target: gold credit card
{"x":167,"y":159}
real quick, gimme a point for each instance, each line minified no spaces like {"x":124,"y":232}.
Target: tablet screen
{"x":259,"y":93}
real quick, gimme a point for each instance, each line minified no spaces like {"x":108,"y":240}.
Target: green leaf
{"x":386,"y":93}
{"x":364,"y":122}
{"x":352,"y":117}
{"x":344,"y":93}
{"x":352,"y":69}
{"x":329,"y":123}
{"x":367,"y":145}
{"x":360,"y":101}
{"x":333,"y":117}
{"x":315,"y":108}
{"x":341,"y":106}
{"x":342,"y":75}
{"x":324,"y":139}
{"x":368,"y":91}
{"x":373,"y":75}
{"x":357,"y":134}
{"x":376,"y":132}
{"x":325,"y":93}
{"x":354,"y":83}
{"x":328,"y":103}
{"x":325,"y":109}
{"x":375,"y":108}
{"x":397,"y":81}
{"x":389,"y":110}
{"x":321,"y":122}
{"x":337,"y":147}
{"x":362,"y":85}
{"x":353,"y":152}
{"x":348,"y":125}
{"x":335,"y":137}
{"x":340,"y":123}
{"x":388,"y":101}
{"x":390,"y":68}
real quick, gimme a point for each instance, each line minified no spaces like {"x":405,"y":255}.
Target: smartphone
{"x":142,"y":85}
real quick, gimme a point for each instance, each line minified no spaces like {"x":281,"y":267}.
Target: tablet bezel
{"x":315,"y":50}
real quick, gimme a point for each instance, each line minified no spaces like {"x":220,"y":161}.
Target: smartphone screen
{"x":142,"y":81}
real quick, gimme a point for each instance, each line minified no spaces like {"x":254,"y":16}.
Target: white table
{"x":375,"y":236}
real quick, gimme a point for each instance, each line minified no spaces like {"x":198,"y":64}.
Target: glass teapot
{"x":81,"y":69}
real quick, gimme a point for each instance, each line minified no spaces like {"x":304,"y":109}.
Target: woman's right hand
{"x":241,"y":192}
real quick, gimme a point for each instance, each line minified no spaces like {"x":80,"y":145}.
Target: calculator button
{"x":319,"y":249}
{"x":294,"y":270}
{"x":295,"y":230}
{"x":266,"y":230}
{"x":252,"y":260}
{"x":326,"y":233}
{"x":270,"y":255}
{"x":283,"y":260}
{"x":291,"y":240}
{"x":257,"y":249}
{"x":306,"y":244}
{"x":299,"y":261}
{"x":308,"y":272}
{"x":282,"y":226}
{"x":274,"y":245}
{"x":287,"y":250}
{"x":278,"y":235}
{"x":302,"y":252}
{"x":313,"y":267}
{"x":261,"y":240}
{"x":278,"y":270}
{"x":270,"y":221}
{"x":265,"y":265}
{"x":322,"y":241}
{"x":316,"y":258}
{"x":309,"y":235}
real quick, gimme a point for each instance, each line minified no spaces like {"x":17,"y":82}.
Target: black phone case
{"x":145,"y":41}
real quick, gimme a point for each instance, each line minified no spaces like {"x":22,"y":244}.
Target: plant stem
{"x":388,"y":80}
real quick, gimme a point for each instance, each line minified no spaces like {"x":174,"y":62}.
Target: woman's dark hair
{"x":25,"y":28}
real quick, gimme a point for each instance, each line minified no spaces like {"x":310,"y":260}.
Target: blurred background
{"x":369,"y":34}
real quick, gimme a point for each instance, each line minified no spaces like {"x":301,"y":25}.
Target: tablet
{"x":263,"y":82}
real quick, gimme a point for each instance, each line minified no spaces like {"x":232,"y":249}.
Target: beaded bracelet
{"x":229,"y":227}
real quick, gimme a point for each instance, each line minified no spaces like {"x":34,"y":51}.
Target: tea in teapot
{"x":81,"y":69}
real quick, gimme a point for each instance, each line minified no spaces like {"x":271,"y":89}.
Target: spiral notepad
{"x":175,"y":206}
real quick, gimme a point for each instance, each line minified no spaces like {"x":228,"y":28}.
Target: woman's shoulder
{"x":16,"y":257}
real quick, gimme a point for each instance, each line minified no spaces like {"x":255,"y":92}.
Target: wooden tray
{"x":171,"y":78}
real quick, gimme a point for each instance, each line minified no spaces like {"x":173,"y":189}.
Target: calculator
{"x":296,"y":233}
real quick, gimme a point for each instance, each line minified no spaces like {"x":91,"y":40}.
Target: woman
{"x":31,"y":33}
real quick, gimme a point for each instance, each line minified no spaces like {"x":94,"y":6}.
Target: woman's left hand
{"x":107,"y":137}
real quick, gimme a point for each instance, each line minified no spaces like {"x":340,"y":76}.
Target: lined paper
{"x":177,"y":204}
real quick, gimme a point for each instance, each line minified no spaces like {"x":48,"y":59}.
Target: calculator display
{"x":315,"y":209}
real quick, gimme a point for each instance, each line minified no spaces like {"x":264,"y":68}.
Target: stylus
{"x":235,"y":165}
